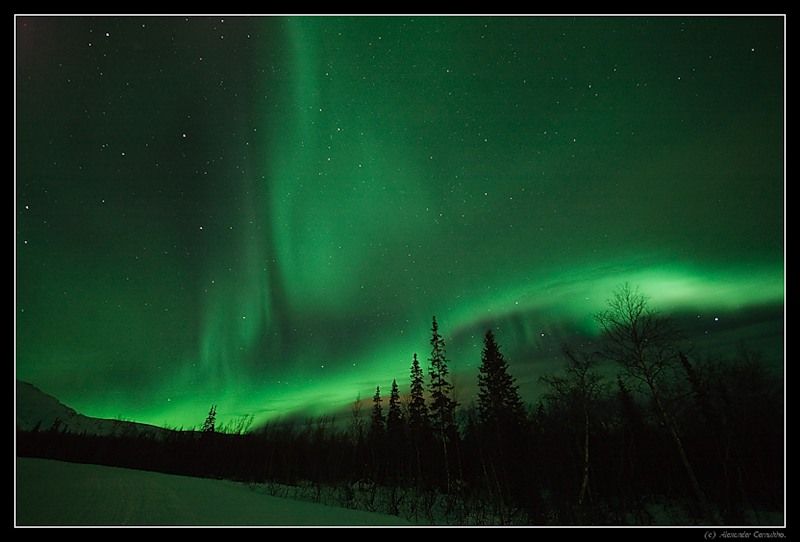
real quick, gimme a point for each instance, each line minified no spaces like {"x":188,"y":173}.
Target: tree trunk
{"x":419,"y":462}
{"x":585,"y":483}
{"x":673,"y":430}
{"x":446,"y":464}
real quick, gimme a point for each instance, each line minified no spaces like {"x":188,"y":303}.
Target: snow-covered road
{"x":59,"y":493}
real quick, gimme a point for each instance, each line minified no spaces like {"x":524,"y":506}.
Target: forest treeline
{"x":669,"y":429}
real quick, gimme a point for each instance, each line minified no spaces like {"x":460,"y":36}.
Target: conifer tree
{"x":211,"y":419}
{"x":442,"y":405}
{"x":378,"y":423}
{"x":442,"y":410}
{"x":418,"y":420}
{"x":394,"y":419}
{"x":397,"y":445}
{"x":499,"y":402}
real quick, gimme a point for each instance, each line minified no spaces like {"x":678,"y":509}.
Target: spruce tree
{"x":499,"y":403}
{"x":501,"y":423}
{"x":418,"y":420}
{"x":442,"y":404}
{"x":396,"y":442}
{"x":208,"y":425}
{"x":378,"y":423}
{"x":394,"y":419}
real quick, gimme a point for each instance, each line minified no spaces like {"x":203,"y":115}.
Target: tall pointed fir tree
{"x":501,"y":418}
{"x":394,"y":418}
{"x":396,"y":442}
{"x":442,"y":405}
{"x":499,"y":403}
{"x":418,"y":421}
{"x":211,"y":420}
{"x":377,"y":432}
{"x":378,"y":424}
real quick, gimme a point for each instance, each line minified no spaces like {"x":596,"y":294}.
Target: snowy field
{"x":58,"y":493}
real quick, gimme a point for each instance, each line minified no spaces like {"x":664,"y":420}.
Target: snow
{"x":58,"y":493}
{"x":34,"y":407}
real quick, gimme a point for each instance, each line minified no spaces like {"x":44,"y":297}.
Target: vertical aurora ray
{"x":343,"y":172}
{"x":243,"y":321}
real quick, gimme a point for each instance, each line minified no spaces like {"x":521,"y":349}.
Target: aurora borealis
{"x":264,"y":212}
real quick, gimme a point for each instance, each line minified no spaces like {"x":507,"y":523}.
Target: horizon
{"x":709,"y":340}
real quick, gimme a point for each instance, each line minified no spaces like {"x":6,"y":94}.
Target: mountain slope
{"x":36,"y":408}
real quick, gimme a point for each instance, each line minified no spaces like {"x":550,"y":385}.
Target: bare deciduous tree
{"x":581,"y":385}
{"x":645,"y":344}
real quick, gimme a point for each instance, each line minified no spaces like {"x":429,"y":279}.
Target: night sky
{"x":264,"y":213}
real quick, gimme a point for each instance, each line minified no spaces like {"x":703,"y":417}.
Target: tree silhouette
{"x":644,"y":343}
{"x":356,"y":421}
{"x":396,"y":441}
{"x":442,"y":405}
{"x":377,"y":425}
{"x":394,"y":418}
{"x":377,"y":432}
{"x":500,"y":424}
{"x":499,"y":403}
{"x":418,"y":420}
{"x":211,"y":419}
{"x":632,"y":443}
{"x":580,"y":388}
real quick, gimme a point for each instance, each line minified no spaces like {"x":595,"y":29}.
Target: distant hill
{"x":36,"y":408}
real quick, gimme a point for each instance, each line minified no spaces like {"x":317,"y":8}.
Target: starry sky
{"x":265,"y":212}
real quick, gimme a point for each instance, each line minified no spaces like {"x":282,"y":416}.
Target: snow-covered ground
{"x":59,"y":493}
